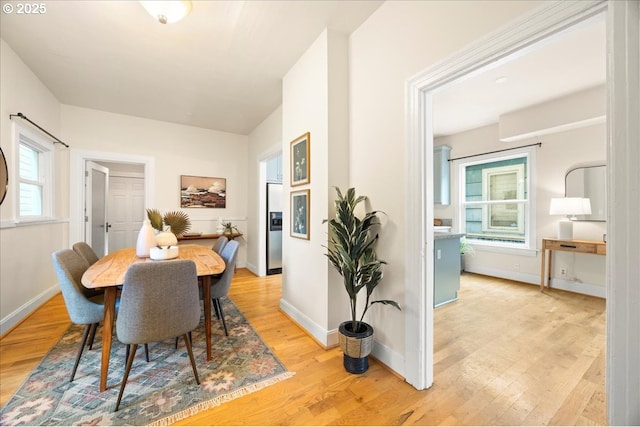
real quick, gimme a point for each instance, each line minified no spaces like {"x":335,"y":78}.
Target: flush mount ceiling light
{"x":168,"y":11}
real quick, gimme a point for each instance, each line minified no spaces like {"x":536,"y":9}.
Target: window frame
{"x":46,"y":178}
{"x":487,"y":206}
{"x":529,"y":245}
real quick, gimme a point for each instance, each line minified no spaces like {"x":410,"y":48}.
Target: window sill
{"x":16,"y":224}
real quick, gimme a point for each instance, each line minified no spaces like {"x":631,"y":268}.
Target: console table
{"x":580,"y":246}
{"x":208,"y":236}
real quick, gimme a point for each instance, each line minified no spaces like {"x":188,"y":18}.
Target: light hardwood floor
{"x":505,"y":354}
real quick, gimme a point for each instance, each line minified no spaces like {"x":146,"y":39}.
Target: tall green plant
{"x":351,"y":252}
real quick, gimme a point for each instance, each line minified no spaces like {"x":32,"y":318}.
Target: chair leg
{"x":190,"y":337}
{"x":215,"y":307}
{"x":218,"y":306}
{"x":93,"y":335}
{"x":146,"y":352}
{"x":187,"y":341}
{"x":132,"y":355}
{"x":85,"y":335}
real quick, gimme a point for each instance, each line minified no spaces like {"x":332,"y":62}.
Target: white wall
{"x":265,"y":141}
{"x":27,"y":278}
{"x":177,"y":150}
{"x":308,"y":98}
{"x":560,"y":152}
{"x":337,"y":165}
{"x":304,"y":268}
{"x":399,"y":40}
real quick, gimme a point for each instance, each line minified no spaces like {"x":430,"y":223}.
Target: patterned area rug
{"x":159,"y":392}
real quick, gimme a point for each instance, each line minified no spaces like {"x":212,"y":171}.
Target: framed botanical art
{"x":300,"y":214}
{"x":300,"y":160}
{"x":202,"y":192}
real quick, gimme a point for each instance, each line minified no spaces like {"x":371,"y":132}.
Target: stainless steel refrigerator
{"x":274,"y":228}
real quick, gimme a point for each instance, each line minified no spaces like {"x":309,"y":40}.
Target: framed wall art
{"x":300,"y":160}
{"x":202,"y":192}
{"x":300,"y":214}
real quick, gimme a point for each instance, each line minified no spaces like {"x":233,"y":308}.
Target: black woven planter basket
{"x":356,"y":346}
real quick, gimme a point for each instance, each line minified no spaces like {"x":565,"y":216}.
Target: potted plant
{"x":351,"y":252}
{"x":177,"y":223}
{"x":229,"y":229}
{"x":465,"y":248}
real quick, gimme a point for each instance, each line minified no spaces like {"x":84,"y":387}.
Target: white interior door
{"x":126,"y":210}
{"x":96,"y":190}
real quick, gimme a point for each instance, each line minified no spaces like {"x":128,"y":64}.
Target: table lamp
{"x":570,"y":207}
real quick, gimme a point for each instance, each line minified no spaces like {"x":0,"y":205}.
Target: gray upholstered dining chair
{"x":83,"y":309}
{"x":220,"y":286}
{"x":159,"y":301}
{"x":220,"y":244}
{"x":85,"y":251}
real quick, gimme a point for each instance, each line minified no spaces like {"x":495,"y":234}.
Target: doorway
{"x":623,"y":26}
{"x":96,"y":220}
{"x":125,"y":204}
{"x":519,"y":35}
{"x":129,"y":171}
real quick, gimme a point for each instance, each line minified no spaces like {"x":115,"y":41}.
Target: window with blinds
{"x":35,"y":180}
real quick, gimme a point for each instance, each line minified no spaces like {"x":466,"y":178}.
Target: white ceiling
{"x":568,"y":62}
{"x":219,"y":68}
{"x":222,"y":66}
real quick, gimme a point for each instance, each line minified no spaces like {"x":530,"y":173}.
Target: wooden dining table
{"x":108,"y":273}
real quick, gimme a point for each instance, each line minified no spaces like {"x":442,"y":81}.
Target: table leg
{"x":206,"y":296}
{"x":543,"y":271}
{"x":107,"y":333}
{"x":550,"y":261}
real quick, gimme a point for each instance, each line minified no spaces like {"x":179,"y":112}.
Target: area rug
{"x":159,"y":392}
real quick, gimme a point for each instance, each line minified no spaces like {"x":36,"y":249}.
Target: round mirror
{"x":4,"y":177}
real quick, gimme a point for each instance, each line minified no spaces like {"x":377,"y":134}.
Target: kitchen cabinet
{"x":446,"y":268}
{"x":441,"y":180}
{"x":274,"y":169}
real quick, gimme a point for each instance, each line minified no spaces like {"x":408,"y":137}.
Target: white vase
{"x":166,"y":239}
{"x":146,"y":240}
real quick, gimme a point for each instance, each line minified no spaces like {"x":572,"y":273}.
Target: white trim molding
{"x":77,"y":162}
{"x":623,"y":205}
{"x":19,"y":314}
{"x":515,"y":37}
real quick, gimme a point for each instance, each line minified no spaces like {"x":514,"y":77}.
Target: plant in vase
{"x":169,"y":226}
{"x":229,"y":229}
{"x":465,"y":248}
{"x":351,"y":252}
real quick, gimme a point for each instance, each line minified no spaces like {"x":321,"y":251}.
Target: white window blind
{"x":35,"y":178}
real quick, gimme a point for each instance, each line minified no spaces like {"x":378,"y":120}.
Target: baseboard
{"x":14,"y":318}
{"x":579,"y":287}
{"x":316,"y":332}
{"x":534,"y":279}
{"x":252,"y":268}
{"x":393,"y":361}
{"x":517,"y":276}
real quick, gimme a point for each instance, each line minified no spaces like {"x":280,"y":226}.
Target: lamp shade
{"x":167,"y":11}
{"x":570,"y":206}
{"x":586,"y":206}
